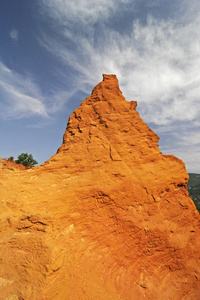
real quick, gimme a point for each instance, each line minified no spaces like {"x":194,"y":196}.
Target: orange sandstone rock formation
{"x":10,"y":164}
{"x":107,"y":217}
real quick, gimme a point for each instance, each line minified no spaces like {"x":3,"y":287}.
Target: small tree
{"x":11,"y":158}
{"x":26,"y":160}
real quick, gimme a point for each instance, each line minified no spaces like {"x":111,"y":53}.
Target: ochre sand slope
{"x":107,"y":217}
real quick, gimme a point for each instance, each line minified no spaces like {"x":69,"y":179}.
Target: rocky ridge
{"x":10,"y":165}
{"x":107,"y":217}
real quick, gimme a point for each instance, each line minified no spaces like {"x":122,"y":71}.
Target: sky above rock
{"x":53,"y":52}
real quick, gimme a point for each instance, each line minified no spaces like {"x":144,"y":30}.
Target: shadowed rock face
{"x":107,"y":217}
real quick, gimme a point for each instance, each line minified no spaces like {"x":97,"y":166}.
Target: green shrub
{"x":11,"y":158}
{"x":26,"y":160}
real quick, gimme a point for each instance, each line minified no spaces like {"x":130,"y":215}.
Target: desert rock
{"x":10,"y":165}
{"x":107,"y":217}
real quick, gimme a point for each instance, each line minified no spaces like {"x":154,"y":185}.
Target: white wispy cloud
{"x":20,"y":96}
{"x":157,"y":63}
{"x":182,"y":140}
{"x":14,"y":34}
{"x":85,"y":13}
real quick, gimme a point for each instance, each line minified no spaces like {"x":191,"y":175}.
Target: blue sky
{"x":53,"y":52}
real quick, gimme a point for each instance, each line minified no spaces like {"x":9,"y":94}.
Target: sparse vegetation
{"x":11,"y":158}
{"x":194,"y":189}
{"x":26,"y":160}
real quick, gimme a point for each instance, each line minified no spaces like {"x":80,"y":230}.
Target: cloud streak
{"x":72,"y":13}
{"x":20,"y":96}
{"x":157,"y":63}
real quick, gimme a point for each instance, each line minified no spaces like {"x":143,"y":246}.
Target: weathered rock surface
{"x":10,"y":165}
{"x":107,"y":217}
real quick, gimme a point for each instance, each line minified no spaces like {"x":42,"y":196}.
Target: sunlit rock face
{"x":10,"y":164}
{"x":107,"y":217}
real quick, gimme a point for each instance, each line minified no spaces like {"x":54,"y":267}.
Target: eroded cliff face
{"x":107,"y":217}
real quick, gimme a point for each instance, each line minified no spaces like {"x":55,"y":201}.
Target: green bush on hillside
{"x":26,"y":160}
